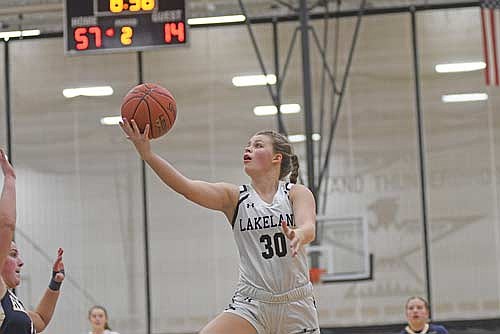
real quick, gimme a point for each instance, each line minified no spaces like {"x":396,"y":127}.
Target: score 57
{"x":83,"y":36}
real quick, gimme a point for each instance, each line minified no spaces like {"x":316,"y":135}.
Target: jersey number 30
{"x":279,"y":245}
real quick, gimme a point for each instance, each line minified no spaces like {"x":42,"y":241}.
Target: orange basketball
{"x":150,"y":104}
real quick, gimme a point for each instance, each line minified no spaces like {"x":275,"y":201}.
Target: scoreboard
{"x":94,"y":26}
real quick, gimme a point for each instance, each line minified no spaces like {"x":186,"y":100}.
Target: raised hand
{"x":140,"y":140}
{"x":294,"y":235}
{"x":7,"y":168}
{"x":58,"y":267}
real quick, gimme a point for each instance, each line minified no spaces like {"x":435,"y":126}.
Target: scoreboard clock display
{"x":93,"y":26}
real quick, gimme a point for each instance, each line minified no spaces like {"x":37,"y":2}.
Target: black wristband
{"x":53,"y":285}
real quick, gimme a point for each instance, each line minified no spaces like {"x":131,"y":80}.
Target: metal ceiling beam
{"x":353,"y":13}
{"x":54,"y":8}
{"x":307,"y":96}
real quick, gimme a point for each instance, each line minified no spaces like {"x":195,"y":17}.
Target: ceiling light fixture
{"x":301,"y":138}
{"x":254,"y":80}
{"x":88,"y":91}
{"x":460,"y":67}
{"x":6,"y":35}
{"x":216,"y":19}
{"x":111,"y":120}
{"x":272,"y":110}
{"x":464,"y":97}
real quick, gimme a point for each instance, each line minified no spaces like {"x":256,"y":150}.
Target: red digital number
{"x":82,"y":40}
{"x":97,"y":35}
{"x":173,"y":29}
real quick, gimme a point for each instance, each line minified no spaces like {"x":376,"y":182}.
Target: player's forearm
{"x":308,"y":231}
{"x":8,"y":202}
{"x":7,"y":218}
{"x":168,"y":174}
{"x":45,"y":309}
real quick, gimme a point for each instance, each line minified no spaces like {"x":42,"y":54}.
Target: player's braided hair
{"x":289,"y":162}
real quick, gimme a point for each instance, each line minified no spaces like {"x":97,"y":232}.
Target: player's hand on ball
{"x":294,"y":235}
{"x":152,"y":104}
{"x":140,"y":140}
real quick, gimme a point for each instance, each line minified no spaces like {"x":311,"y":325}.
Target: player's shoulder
{"x":299,"y":189}
{"x":227,"y":185}
{"x":229,"y":188}
{"x":243,"y":188}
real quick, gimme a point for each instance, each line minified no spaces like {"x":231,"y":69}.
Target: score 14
{"x":174,"y":30}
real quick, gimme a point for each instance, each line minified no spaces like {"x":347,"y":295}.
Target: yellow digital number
{"x":116,"y":6}
{"x":148,"y":4}
{"x":135,"y":5}
{"x":126,"y":36}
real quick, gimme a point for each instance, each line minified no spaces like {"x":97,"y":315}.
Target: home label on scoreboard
{"x":95,"y":26}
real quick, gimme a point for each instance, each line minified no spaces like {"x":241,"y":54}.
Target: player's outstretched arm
{"x":45,"y":309}
{"x":7,"y":211}
{"x":216,"y":196}
{"x":304,"y":212}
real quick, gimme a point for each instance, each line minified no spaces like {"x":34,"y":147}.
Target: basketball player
{"x":14,"y":318}
{"x":271,"y":221}
{"x":98,"y":317}
{"x":417,"y":314}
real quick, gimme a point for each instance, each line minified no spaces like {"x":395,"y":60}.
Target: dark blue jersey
{"x":14,"y":317}
{"x":433,"y":329}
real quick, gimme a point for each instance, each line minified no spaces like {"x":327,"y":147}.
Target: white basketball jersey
{"x":266,"y":260}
